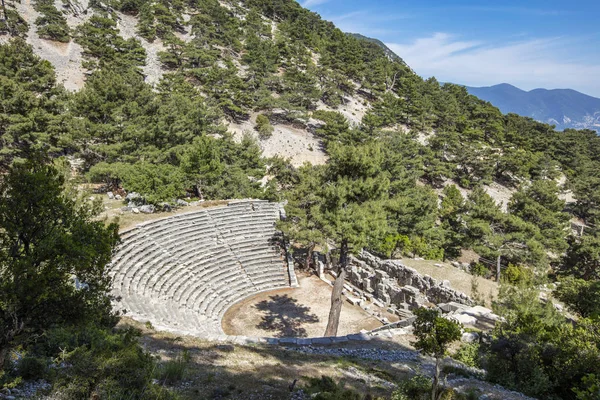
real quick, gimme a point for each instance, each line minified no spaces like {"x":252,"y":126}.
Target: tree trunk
{"x":498,"y":268}
{"x":309,"y":255}
{"x":436,"y":379}
{"x":3,"y":354}
{"x":336,"y":293}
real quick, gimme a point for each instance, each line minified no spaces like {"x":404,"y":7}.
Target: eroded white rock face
{"x":66,"y":58}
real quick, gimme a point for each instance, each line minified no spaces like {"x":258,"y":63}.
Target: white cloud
{"x":527,"y":64}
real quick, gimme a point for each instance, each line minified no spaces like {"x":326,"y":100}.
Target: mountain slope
{"x":565,"y":108}
{"x":388,"y":52}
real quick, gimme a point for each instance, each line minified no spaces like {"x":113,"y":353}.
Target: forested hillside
{"x":176,"y":99}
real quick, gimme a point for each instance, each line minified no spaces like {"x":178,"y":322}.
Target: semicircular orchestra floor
{"x":298,"y":312}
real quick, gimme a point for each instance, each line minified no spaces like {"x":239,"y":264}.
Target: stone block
{"x":240,"y":339}
{"x":361,"y":337}
{"x":464,"y":319}
{"x":469,"y":337}
{"x":147,"y":209}
{"x":339,"y":339}
{"x":321,"y":340}
{"x":286,"y":340}
{"x":353,"y":300}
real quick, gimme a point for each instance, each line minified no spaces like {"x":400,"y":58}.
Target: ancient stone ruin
{"x":398,"y":286}
{"x":183,"y":272}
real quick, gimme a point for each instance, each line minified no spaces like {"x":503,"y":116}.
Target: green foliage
{"x":48,"y":240}
{"x":416,"y":388}
{"x":582,"y":258}
{"x":590,"y":388}
{"x":30,"y":367}
{"x":157,"y":19}
{"x":103,"y":46}
{"x":582,"y":297}
{"x":31,"y":106}
{"x":468,"y":354}
{"x":517,"y":274}
{"x":13,"y":24}
{"x":54,"y":291}
{"x":539,"y":204}
{"x":264,"y":127}
{"x":434,"y":333}
{"x":98,"y":361}
{"x":325,"y":388}
{"x":376,"y":190}
{"x":536,"y":351}
{"x":156,"y":183}
{"x":173,"y":371}
{"x":479,"y":269}
{"x":51,"y":24}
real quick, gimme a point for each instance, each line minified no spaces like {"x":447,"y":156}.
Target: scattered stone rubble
{"x":477,"y":316}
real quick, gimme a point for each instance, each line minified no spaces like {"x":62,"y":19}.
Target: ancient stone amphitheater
{"x":183,"y":272}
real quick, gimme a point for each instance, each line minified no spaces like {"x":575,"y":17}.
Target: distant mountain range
{"x":565,"y":108}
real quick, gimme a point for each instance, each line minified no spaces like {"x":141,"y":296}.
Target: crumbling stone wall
{"x":397,"y":285}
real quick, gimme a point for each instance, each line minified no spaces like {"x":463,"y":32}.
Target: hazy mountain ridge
{"x":565,"y":108}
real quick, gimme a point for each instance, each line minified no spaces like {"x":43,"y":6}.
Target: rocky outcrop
{"x":397,"y":285}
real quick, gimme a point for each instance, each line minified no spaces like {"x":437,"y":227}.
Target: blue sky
{"x":530,"y":44}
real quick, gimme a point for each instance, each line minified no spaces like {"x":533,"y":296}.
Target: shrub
{"x":325,"y":388}
{"x":516,"y":274}
{"x":264,"y":127}
{"x":173,"y":371}
{"x":468,"y":354}
{"x":96,"y":361}
{"x":479,"y":269}
{"x":416,"y":388}
{"x":30,"y":367}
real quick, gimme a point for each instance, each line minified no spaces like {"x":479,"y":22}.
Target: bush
{"x":468,"y":354}
{"x":97,"y":361}
{"x":516,"y":274}
{"x":173,"y":371}
{"x":264,"y":127}
{"x":417,"y":388}
{"x":30,"y":367}
{"x":479,"y":269}
{"x":326,"y":389}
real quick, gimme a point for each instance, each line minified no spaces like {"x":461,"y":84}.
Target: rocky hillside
{"x":564,"y":108}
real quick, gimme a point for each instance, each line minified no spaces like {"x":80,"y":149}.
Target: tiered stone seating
{"x":183,"y":272}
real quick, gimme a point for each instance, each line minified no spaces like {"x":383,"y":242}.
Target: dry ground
{"x":298,"y":145}
{"x":459,"y":279}
{"x":300,"y":312}
{"x":262,"y":372}
{"x":127,"y":219}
